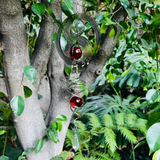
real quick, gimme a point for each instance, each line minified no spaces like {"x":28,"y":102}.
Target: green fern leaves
{"x":110,"y":139}
{"x":107,"y":127}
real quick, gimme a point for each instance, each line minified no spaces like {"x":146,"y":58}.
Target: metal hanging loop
{"x":77,"y":37}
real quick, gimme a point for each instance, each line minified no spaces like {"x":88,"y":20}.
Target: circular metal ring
{"x":73,"y":39}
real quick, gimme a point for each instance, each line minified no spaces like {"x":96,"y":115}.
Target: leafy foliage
{"x":107,"y":126}
{"x":17,"y":105}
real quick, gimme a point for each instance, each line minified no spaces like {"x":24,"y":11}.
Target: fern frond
{"x":142,"y":125}
{"x":85,"y":143}
{"x":69,"y":138}
{"x":107,"y":120}
{"x":127,"y":134}
{"x":120,"y":119}
{"x":81,"y":129}
{"x":154,"y":107}
{"x":94,"y":121}
{"x":110,"y":139}
{"x":131,"y":120}
{"x":114,"y":155}
{"x":105,"y":156}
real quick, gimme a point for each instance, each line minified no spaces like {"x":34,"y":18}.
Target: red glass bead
{"x":75,"y":53}
{"x":76,"y":102}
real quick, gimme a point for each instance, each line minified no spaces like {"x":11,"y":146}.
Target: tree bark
{"x":30,"y":125}
{"x":98,"y":61}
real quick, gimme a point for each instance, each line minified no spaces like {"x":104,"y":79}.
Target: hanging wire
{"x":74,"y":83}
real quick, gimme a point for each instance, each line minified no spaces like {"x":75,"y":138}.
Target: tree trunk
{"x":30,"y":125}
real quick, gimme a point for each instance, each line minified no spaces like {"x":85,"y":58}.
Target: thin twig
{"x":20,"y":84}
{"x":28,"y":28}
{"x":133,"y":151}
{"x":51,"y":23}
{"x":115,"y":12}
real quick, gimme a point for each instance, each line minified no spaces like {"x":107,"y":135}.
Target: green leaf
{"x":154,"y":118}
{"x":39,"y":9}
{"x":149,"y":47}
{"x":145,"y":18}
{"x":45,"y":139}
{"x":153,"y":137}
{"x":67,"y":70}
{"x":125,"y":72}
{"x":112,"y":33}
{"x":27,"y":91}
{"x":53,"y":135}
{"x":132,"y":13}
{"x":111,"y":77}
{"x":91,"y":2}
{"x":26,"y":152}
{"x":133,"y":80}
{"x":100,"y":18}
{"x":54,"y":38}
{"x":66,"y":11}
{"x":4,"y":158}
{"x":53,"y":16}
{"x":50,"y":1}
{"x":125,"y":78}
{"x":125,"y":3}
{"x":152,"y":95}
{"x":134,"y":24}
{"x":69,"y":5}
{"x":2,"y":132}
{"x":54,"y":125}
{"x":21,"y":158}
{"x":59,"y":126}
{"x":61,"y":117}
{"x":63,"y":42}
{"x":84,"y":90}
{"x":30,"y":73}
{"x":39,"y":145}
{"x":156,"y":155}
{"x":17,"y":105}
{"x":2,"y":94}
{"x":102,"y":79}
{"x":109,"y":22}
{"x":103,"y":28}
{"x":124,"y":25}
{"x":155,"y":21}
{"x":131,"y":36}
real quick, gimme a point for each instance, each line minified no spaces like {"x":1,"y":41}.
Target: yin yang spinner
{"x":80,"y":48}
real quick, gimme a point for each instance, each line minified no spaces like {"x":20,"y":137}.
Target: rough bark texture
{"x":59,"y":95}
{"x":30,"y":125}
{"x":98,"y":61}
{"x":43,"y":47}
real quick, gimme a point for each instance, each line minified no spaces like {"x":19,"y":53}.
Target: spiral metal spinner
{"x":77,"y":53}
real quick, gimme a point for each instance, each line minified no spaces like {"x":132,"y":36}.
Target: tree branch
{"x":90,"y":73}
{"x":44,"y":43}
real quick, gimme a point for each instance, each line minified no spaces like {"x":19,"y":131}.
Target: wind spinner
{"x":82,"y":34}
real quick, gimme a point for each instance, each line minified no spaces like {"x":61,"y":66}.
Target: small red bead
{"x":75,"y":53}
{"x":75,"y":102}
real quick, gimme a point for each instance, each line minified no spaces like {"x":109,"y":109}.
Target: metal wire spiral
{"x":74,"y":83}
